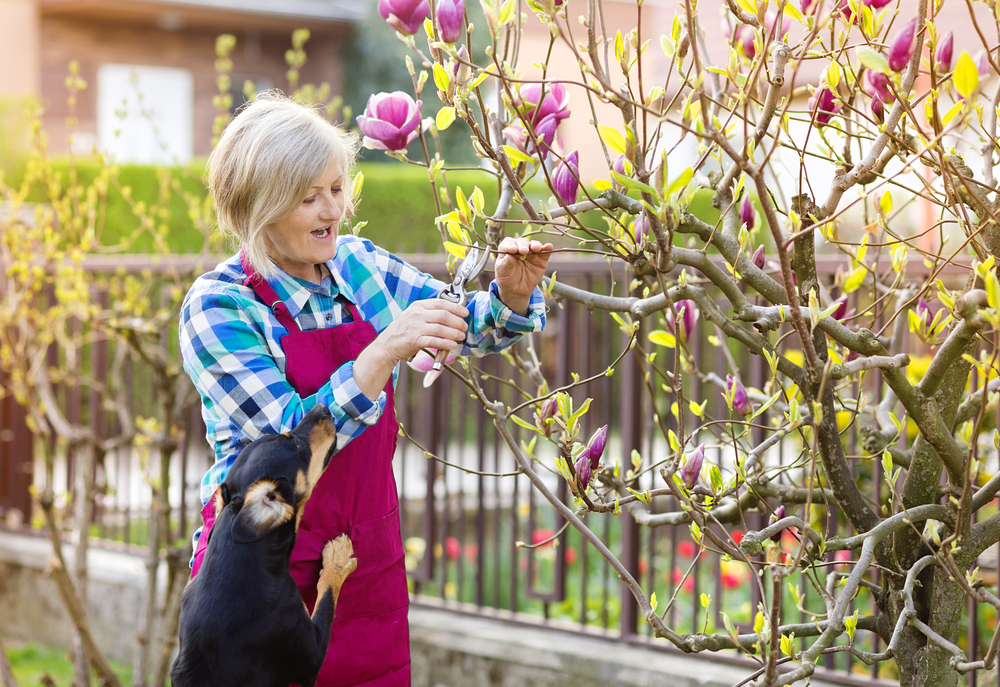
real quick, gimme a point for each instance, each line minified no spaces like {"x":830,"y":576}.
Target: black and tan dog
{"x":242,"y":618}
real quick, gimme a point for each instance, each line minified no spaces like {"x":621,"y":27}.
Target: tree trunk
{"x":6,"y":672}
{"x":946,"y":601}
{"x":147,"y":612}
{"x":180,"y":574}
{"x":83,"y":508}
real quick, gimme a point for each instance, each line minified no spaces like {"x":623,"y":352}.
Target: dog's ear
{"x":264,"y":510}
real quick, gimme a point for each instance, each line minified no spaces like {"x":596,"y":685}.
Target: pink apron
{"x":369,"y":643}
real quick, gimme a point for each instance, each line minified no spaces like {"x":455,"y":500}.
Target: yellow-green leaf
{"x":463,"y":204}
{"x":872,"y":59}
{"x":445,"y":116}
{"x":886,"y":204}
{"x":952,"y":112}
{"x":507,"y":11}
{"x":517,"y":156}
{"x":966,"y":75}
{"x":455,"y":249}
{"x":662,"y":338}
{"x":856,"y":279}
{"x":612,"y":139}
{"x":441,"y":78}
{"x":652,"y":601}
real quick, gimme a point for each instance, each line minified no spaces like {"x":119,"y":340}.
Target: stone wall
{"x":449,"y":648}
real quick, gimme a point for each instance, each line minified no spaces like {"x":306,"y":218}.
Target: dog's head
{"x":273,"y":478}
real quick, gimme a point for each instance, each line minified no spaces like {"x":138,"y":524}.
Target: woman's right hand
{"x":433,"y":323}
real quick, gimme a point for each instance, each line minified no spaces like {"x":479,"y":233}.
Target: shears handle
{"x":452,"y":295}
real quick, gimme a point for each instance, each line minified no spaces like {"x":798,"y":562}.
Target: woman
{"x":300,"y":317}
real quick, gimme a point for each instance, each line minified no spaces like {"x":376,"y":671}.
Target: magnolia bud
{"x":692,"y":466}
{"x":582,"y":469}
{"x":942,"y":59}
{"x":758,"y":257}
{"x":903,"y":46}
{"x":595,"y":447}
{"x":748,"y":215}
{"x":878,"y":109}
{"x":741,"y":403}
{"x":778,"y":515}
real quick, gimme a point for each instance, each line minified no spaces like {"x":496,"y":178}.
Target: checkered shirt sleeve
{"x":230,"y":344}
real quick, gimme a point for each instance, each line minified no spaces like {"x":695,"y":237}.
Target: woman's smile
{"x":308,"y":237}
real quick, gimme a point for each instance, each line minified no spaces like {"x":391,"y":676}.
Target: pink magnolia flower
{"x":565,"y":180}
{"x":903,"y":46}
{"x":545,"y":132}
{"x":595,"y":447}
{"x":640,"y":228}
{"x":923,"y":310}
{"x":824,"y":106}
{"x":450,"y":16}
{"x":424,"y":362}
{"x":390,"y":121}
{"x":555,"y":102}
{"x":406,"y":16}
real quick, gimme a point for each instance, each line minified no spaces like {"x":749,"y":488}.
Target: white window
{"x":144,"y":114}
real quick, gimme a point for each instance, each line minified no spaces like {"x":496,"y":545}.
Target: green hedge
{"x":397,"y":204}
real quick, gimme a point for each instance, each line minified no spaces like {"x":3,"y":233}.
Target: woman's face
{"x":308,"y":236}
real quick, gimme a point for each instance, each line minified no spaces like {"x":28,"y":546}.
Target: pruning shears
{"x":468,"y":270}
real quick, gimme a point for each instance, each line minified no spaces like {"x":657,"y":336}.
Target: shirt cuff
{"x":506,"y":318}
{"x":348,"y":395}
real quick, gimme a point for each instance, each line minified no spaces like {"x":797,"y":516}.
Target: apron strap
{"x":266,"y":294}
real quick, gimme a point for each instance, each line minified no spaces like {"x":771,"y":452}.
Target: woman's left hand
{"x":519,"y":268}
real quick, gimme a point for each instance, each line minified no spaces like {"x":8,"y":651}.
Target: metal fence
{"x":465,"y":511}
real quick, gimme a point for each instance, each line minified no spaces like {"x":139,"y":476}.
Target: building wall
{"x":93,"y":42}
{"x":19,"y":48}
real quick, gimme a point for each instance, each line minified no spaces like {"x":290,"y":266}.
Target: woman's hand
{"x":432,"y":323}
{"x":519,"y":267}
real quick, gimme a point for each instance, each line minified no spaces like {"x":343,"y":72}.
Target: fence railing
{"x":477,"y":536}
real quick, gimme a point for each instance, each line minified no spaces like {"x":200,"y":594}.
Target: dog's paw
{"x":338,"y":561}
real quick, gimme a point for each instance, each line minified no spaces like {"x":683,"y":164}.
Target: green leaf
{"x":507,"y":12}
{"x":680,"y":182}
{"x":455,"y":249}
{"x":445,"y":116}
{"x":952,"y":112}
{"x":872,"y":59}
{"x":662,"y":338}
{"x":992,"y":290}
{"x":856,"y":279}
{"x":612,"y":139}
{"x":630,"y":183}
{"x":966,"y":75}
{"x":522,"y":423}
{"x":652,"y":601}
{"x":477,"y":200}
{"x":886,"y":203}
{"x":441,"y":78}
{"x":517,"y":156}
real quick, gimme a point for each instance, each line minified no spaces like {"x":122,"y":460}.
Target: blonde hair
{"x":266,"y":161}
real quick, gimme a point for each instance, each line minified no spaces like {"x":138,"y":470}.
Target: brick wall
{"x":93,"y":42}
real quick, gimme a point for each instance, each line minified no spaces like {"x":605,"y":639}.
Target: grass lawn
{"x":31,"y":661}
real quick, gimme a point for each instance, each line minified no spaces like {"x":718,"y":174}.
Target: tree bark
{"x":6,"y":672}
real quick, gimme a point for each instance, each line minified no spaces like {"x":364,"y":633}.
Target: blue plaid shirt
{"x":229,"y":341}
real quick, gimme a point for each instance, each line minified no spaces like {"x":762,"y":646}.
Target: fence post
{"x":631,"y":425}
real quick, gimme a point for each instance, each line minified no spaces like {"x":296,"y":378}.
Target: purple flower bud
{"x":877,"y":84}
{"x":942,"y":59}
{"x":741,"y":404}
{"x":758,"y":257}
{"x":903,"y":46}
{"x":595,"y":447}
{"x":923,"y":311}
{"x":692,"y":466}
{"x":390,"y":121}
{"x":640,"y":228}
{"x":878,"y":109}
{"x":461,"y":71}
{"x":841,"y":310}
{"x":565,"y":180}
{"x":853,"y":355}
{"x":748,"y":215}
{"x":824,"y":106}
{"x":983,"y":63}
{"x":775,"y":517}
{"x":406,"y":16}
{"x":744,"y":38}
{"x":687,"y":312}
{"x":582,"y":470}
{"x":450,"y":16}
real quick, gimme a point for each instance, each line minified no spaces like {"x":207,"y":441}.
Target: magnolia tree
{"x":813,"y":121}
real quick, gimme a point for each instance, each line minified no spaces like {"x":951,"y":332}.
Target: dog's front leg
{"x":338,"y":563}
